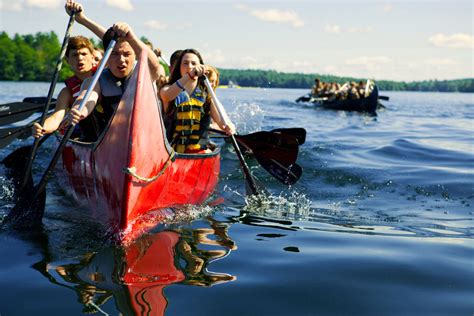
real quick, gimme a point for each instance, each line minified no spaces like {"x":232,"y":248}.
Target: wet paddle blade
{"x":276,"y":151}
{"x":271,"y":146}
{"x":297,"y":132}
{"x":304,"y":98}
{"x":17,"y":161}
{"x":29,"y":211}
{"x":286,"y":175}
{"x":16,"y":164}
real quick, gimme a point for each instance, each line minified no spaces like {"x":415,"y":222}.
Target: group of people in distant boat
{"x":336,"y":91}
{"x":187,"y":107}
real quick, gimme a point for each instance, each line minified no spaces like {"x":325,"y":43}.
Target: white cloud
{"x":278,"y":16}
{"x":273,"y":15}
{"x":366,"y":29}
{"x":183,"y":26}
{"x":330,"y":69}
{"x":335,"y":29}
{"x":458,"y":40}
{"x":9,"y":6}
{"x":156,"y":25}
{"x":241,"y":7}
{"x":387,"y":7}
{"x":368,"y":61}
{"x":44,"y":4}
{"x":121,"y":4}
{"x":215,"y":57}
{"x":441,"y":62}
{"x":19,"y":5}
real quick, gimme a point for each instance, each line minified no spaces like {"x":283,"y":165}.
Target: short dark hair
{"x":78,"y":42}
{"x":108,"y":36}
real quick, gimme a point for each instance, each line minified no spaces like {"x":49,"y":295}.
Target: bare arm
{"x":77,"y":115}
{"x":169,"y":92}
{"x":124,"y":30}
{"x":81,"y":18}
{"x":52,"y":122}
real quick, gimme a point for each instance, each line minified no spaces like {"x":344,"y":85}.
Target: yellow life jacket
{"x":191,"y":121}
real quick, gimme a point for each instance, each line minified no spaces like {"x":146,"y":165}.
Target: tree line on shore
{"x":274,"y":79}
{"x":33,"y":58}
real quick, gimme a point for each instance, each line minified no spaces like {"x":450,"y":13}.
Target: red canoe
{"x":131,"y":171}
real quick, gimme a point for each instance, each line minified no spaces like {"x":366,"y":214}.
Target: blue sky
{"x":395,"y":40}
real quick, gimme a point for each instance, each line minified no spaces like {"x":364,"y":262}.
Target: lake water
{"x":381,"y":223}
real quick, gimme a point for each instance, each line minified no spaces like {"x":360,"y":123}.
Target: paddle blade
{"x":16,"y":163}
{"x":286,"y":175}
{"x":304,"y":98}
{"x":276,"y":153}
{"x":28,"y":212}
{"x":297,"y":132}
{"x":271,"y":146}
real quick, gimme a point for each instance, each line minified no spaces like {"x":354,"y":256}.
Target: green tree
{"x":8,"y":51}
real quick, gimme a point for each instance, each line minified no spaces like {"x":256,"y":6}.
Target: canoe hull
{"x":131,"y":171}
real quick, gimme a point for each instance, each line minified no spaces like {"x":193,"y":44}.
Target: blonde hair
{"x":214,"y":70}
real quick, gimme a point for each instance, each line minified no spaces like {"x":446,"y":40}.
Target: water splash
{"x":159,"y":219}
{"x":291,"y":205}
{"x":7,"y":189}
{"x":247,"y":117}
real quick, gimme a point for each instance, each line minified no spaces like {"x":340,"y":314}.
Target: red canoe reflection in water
{"x":136,"y":276}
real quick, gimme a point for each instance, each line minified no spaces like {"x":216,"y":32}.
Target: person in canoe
{"x":98,"y":54}
{"x":107,"y":93}
{"x":113,"y":81}
{"x":186,"y":97}
{"x":79,"y":55}
{"x":213,"y":76}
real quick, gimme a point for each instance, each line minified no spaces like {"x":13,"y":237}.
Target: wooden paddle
{"x":252,"y":184}
{"x":275,"y":151}
{"x":31,"y":205}
{"x":34,"y":148}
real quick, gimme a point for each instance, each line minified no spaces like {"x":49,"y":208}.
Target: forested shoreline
{"x":33,"y":58}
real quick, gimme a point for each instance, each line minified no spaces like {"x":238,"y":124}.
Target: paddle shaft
{"x":44,"y":180}
{"x":248,"y":176}
{"x":59,"y":64}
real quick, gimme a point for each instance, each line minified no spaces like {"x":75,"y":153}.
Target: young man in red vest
{"x":79,"y":55}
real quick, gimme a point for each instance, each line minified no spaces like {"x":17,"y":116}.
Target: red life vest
{"x":74,"y":84}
